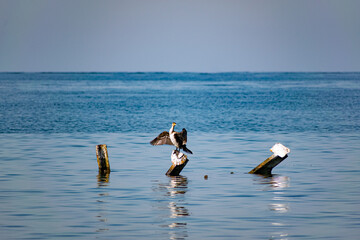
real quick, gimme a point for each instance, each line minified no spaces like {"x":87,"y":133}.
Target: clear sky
{"x":180,"y":35}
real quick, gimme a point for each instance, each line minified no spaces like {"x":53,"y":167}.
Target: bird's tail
{"x":186,"y":149}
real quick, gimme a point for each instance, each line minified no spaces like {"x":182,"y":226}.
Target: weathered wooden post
{"x":265,"y":168}
{"x":103,"y":159}
{"x":179,"y":161}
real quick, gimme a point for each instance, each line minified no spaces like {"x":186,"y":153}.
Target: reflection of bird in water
{"x":178,"y":211}
{"x":178,"y":139}
{"x":173,"y":199}
{"x":177,"y":185}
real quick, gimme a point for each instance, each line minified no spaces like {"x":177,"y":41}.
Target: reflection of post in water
{"x":178,"y":185}
{"x":273,"y":182}
{"x":177,"y":189}
{"x":103,"y":181}
{"x":276,"y":184}
{"x":174,"y":192}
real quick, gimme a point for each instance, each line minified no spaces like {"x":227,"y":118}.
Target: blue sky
{"x":179,"y":35}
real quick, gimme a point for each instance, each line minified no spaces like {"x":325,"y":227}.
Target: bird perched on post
{"x":178,"y":139}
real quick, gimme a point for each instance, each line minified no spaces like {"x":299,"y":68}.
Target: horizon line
{"x":186,"y":72}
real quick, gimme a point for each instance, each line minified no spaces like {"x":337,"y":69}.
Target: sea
{"x":50,"y":186}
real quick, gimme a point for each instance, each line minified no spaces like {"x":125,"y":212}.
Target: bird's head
{"x":174,"y":123}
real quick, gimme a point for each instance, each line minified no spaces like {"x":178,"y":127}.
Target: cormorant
{"x":178,"y":139}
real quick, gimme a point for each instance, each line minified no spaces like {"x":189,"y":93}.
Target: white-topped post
{"x":179,"y":160}
{"x":280,"y":153}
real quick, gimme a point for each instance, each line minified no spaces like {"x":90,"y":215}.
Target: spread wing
{"x":183,"y":134}
{"x":163,"y":138}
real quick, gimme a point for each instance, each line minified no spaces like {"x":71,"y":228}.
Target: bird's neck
{"x":171,"y":129}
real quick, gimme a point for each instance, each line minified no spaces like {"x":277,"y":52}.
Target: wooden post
{"x":280,"y":154}
{"x":179,"y":161}
{"x":102,"y":159}
{"x":266,"y":166}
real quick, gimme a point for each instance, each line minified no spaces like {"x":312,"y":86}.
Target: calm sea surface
{"x":50,"y":124}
